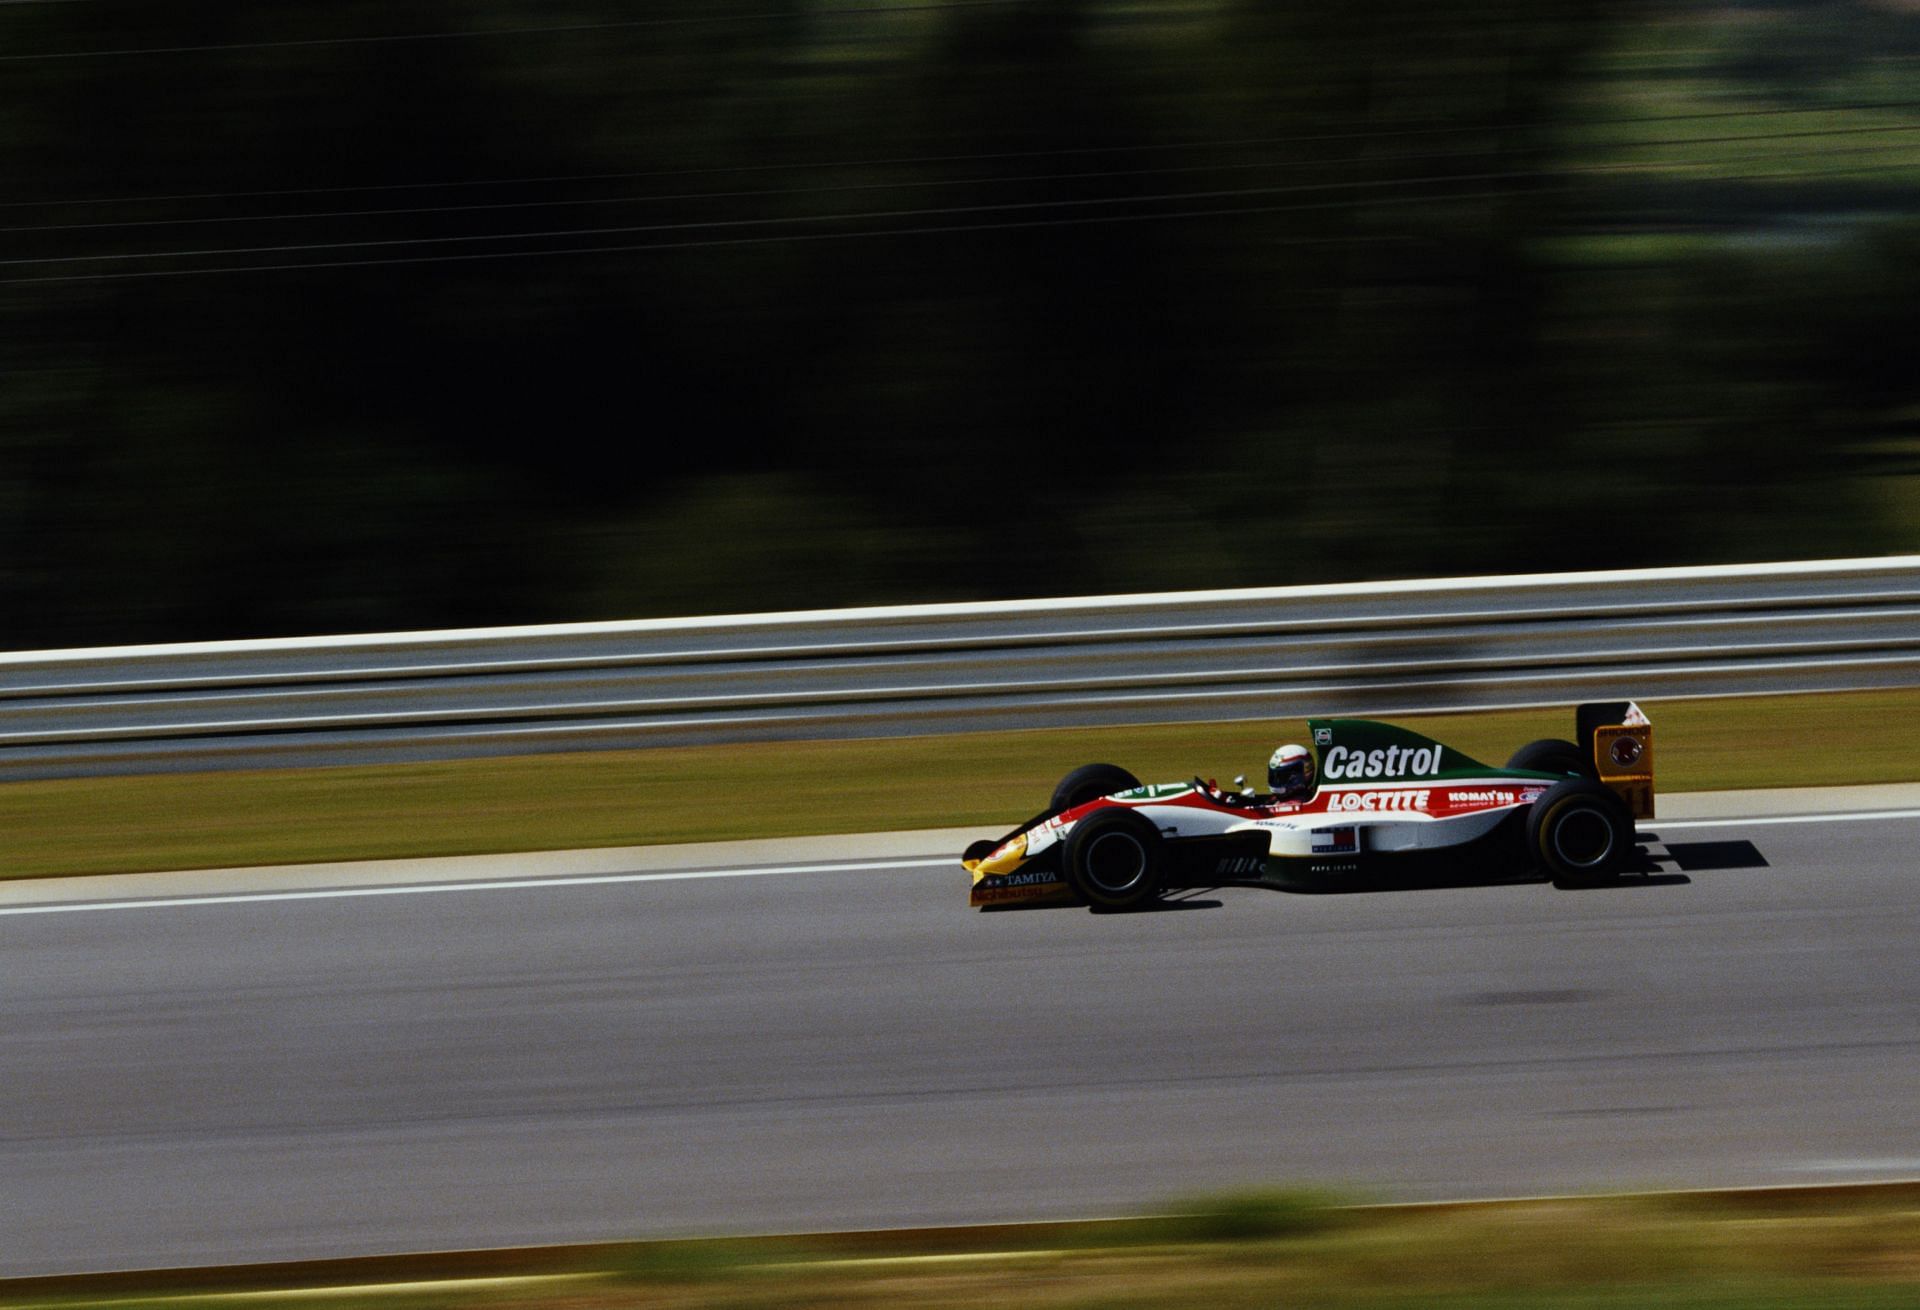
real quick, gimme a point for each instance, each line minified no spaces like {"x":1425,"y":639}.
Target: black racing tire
{"x":1554,"y":756}
{"x":1112,"y":859}
{"x":1580,"y":833}
{"x":1090,"y":782}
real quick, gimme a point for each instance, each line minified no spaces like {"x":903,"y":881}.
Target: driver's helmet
{"x":1290,"y":772}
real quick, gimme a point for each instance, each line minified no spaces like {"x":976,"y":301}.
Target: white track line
{"x":766,"y":871}
{"x":512,"y":884}
{"x":323,"y":1293}
{"x":1861,"y":817}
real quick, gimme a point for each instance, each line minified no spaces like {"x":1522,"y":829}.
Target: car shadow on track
{"x":1656,"y":864}
{"x":1699,"y":855}
{"x":1646,"y":870}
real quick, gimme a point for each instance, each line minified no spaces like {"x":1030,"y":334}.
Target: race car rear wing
{"x":1618,"y":737}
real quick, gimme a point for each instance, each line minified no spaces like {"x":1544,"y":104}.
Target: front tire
{"x":1090,"y":782}
{"x":1553,"y":756}
{"x":1112,"y":859}
{"x":1580,"y":833}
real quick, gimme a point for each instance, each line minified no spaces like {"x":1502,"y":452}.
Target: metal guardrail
{"x":1364,"y":648}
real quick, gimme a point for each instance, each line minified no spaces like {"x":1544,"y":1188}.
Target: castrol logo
{"x":1382,"y":762}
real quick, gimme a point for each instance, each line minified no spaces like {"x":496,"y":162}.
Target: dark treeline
{"x":552,"y":311}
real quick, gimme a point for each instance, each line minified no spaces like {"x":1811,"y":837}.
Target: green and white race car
{"x":1380,"y":796}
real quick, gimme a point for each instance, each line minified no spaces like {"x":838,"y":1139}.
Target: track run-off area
{"x":251,"y":1065}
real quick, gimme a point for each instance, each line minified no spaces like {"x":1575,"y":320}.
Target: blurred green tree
{"x":473,"y":311}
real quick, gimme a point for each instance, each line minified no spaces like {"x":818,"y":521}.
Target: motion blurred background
{"x":364,"y":316}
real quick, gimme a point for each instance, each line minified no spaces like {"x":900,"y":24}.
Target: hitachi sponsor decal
{"x":1405,"y":799}
{"x":1382,"y":762}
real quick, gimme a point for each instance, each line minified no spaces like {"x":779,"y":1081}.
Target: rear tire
{"x":1580,"y":833}
{"x":1090,"y":782}
{"x":1553,"y":756}
{"x":1112,"y":859}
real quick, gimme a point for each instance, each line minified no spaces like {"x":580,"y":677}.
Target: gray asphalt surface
{"x":295,"y":1078}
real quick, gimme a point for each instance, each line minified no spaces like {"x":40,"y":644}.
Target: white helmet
{"x":1290,"y":771}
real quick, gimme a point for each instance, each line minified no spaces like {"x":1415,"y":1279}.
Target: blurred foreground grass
{"x":709,"y":793}
{"x":1837,"y":1247}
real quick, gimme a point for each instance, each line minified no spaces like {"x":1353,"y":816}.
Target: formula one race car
{"x":1385,"y":797}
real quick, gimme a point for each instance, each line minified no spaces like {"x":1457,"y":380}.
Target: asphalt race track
{"x":505,"y":1061}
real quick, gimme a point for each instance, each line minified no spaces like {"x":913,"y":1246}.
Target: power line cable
{"x":497,"y":206}
{"x":944,"y":229}
{"x":1003,"y":179}
{"x":788,"y":237}
{"x":923,"y":212}
{"x":718,"y":224}
{"x":689,"y":21}
{"x":916,"y":160}
{"x":801,"y":166}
